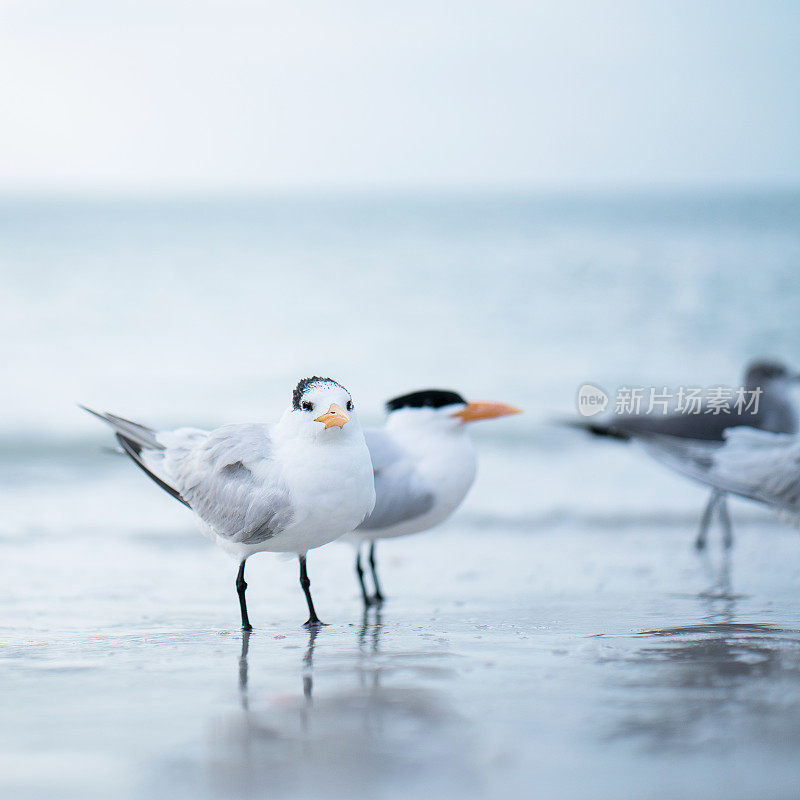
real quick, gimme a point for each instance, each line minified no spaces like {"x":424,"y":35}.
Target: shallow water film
{"x":520,"y":662}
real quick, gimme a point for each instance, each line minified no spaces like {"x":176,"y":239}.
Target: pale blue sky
{"x":245,"y":95}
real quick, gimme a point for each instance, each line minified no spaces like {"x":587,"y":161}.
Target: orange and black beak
{"x":472,"y":412}
{"x":334,"y":417}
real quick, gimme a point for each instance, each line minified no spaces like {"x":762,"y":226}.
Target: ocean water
{"x":207,"y":311}
{"x":558,"y":628}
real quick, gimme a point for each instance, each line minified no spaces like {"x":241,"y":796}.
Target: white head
{"x":441,"y":409}
{"x":323,"y":409}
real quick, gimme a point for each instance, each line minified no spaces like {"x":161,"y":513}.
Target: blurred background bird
{"x":750,"y":463}
{"x":767,"y":405}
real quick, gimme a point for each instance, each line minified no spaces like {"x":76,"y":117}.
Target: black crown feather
{"x":426,"y":398}
{"x":302,"y":385}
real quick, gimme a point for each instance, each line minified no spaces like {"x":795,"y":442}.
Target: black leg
{"x":241,"y":587}
{"x":360,"y":572}
{"x":705,"y":520}
{"x":313,"y":619}
{"x":725,"y":519}
{"x":378,"y":595}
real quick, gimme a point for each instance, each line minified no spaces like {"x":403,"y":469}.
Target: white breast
{"x":445,"y":463}
{"x":331,"y":488}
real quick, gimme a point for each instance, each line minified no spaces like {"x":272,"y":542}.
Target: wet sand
{"x":559,"y":661}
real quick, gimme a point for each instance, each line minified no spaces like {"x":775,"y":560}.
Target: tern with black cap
{"x":282,"y":488}
{"x":424,"y":464}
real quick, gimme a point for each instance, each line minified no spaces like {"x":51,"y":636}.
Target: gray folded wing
{"x":230,"y":480}
{"x":751,"y":463}
{"x":401,"y":494}
{"x":707,"y":427}
{"x":775,"y":412}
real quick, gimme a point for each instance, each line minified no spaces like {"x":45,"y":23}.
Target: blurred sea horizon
{"x":208,"y":310}
{"x":529,"y":294}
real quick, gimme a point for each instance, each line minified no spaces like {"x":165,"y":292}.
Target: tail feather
{"x":133,"y":438}
{"x":140,"y":434}
{"x":134,"y":450}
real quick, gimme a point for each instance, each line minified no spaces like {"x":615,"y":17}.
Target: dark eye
{"x":308,"y":406}
{"x":350,"y":405}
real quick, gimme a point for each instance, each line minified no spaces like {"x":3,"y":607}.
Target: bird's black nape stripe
{"x":304,"y":384}
{"x":426,"y":398}
{"x":134,"y":451}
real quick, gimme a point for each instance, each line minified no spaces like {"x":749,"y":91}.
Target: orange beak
{"x":472,"y":412}
{"x":334,"y":417}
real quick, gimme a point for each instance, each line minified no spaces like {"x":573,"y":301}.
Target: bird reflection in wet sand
{"x":243,"y":667}
{"x":714,"y":684}
{"x":377,"y":722}
{"x":720,"y":589}
{"x":308,"y":664}
{"x":369,"y":640}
